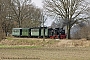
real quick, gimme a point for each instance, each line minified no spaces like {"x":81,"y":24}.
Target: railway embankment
{"x":47,"y":43}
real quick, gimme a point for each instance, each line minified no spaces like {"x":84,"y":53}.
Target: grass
{"x":28,"y":41}
{"x":17,"y":46}
{"x":9,"y":38}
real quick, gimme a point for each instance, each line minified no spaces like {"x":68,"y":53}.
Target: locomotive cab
{"x":58,"y":33}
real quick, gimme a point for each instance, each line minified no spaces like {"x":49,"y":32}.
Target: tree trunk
{"x":68,"y":32}
{"x":69,"y":37}
{"x":20,"y":23}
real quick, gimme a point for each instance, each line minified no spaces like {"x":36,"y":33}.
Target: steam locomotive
{"x":39,"y":32}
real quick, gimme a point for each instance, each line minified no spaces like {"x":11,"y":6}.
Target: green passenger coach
{"x":35,"y":32}
{"x":31,"y":32}
{"x":25,"y":32}
{"x":44,"y":31}
{"x":17,"y":32}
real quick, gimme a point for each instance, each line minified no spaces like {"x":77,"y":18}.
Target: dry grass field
{"x":45,"y":53}
{"x":36,"y":49}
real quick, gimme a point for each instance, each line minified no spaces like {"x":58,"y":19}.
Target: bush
{"x":84,"y":32}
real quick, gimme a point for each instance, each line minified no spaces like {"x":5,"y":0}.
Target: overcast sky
{"x":37,"y":3}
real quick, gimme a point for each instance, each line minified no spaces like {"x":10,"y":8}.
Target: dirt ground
{"x":50,"y":49}
{"x":45,"y":53}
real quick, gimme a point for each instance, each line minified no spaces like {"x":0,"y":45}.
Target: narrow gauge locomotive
{"x":39,"y":32}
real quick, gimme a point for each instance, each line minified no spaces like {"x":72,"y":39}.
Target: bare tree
{"x":34,"y":18}
{"x":70,"y":11}
{"x":5,"y":16}
{"x":2,"y":34}
{"x":25,"y":13}
{"x":83,"y":32}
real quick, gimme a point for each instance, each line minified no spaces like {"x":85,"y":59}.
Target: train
{"x":39,"y":32}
